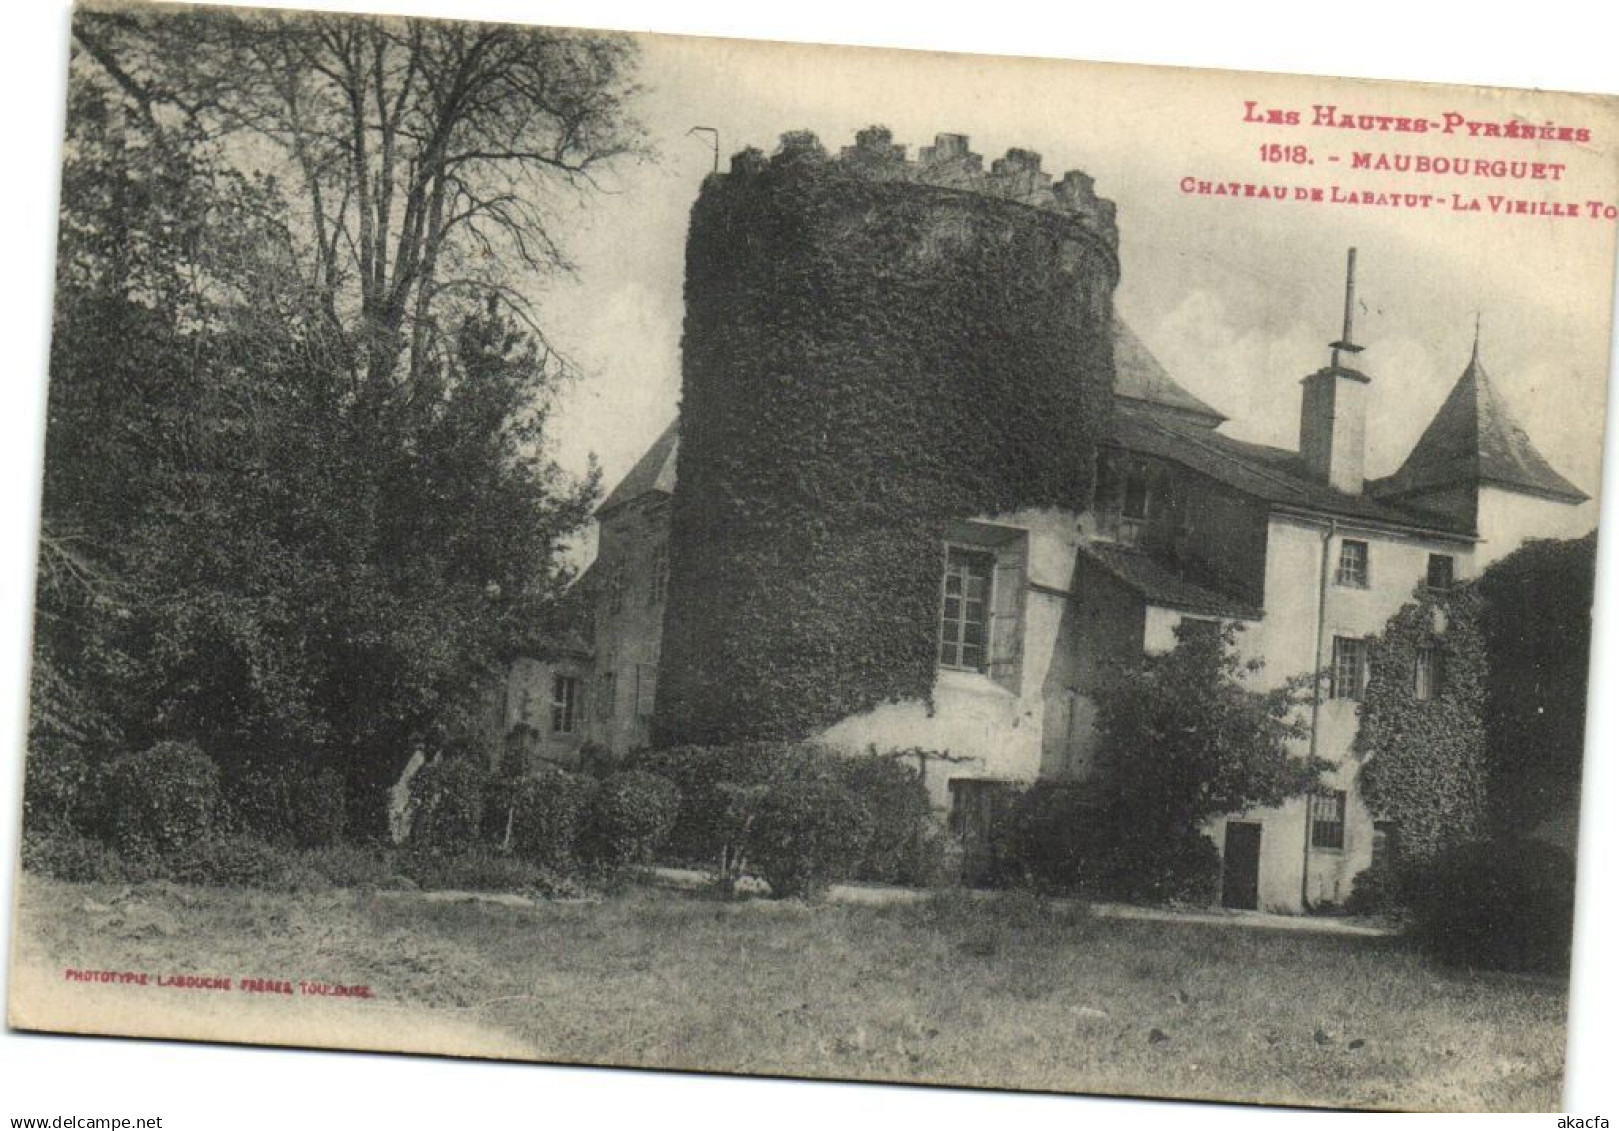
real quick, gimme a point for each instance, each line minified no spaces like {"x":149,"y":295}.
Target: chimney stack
{"x":1332,"y":424}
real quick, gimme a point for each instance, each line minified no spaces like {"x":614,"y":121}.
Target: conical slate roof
{"x":1140,"y":376}
{"x":1473,"y":439}
{"x":654,"y":471}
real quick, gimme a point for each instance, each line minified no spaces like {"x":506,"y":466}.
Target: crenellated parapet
{"x":948,"y":163}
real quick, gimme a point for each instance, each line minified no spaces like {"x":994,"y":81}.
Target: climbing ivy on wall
{"x":1424,"y":764}
{"x":864,"y":361}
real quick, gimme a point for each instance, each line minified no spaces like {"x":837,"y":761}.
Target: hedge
{"x":160,"y":800}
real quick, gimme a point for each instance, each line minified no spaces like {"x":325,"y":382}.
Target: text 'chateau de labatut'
{"x":926,"y":486}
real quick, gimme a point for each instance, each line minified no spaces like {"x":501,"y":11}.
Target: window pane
{"x":1135,"y":493}
{"x":1348,"y":667}
{"x":1352,"y":563}
{"x":963,"y":608}
{"x":1327,"y":819}
{"x":1441,"y":571}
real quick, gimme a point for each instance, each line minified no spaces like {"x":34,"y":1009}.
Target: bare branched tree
{"x":428,"y":158}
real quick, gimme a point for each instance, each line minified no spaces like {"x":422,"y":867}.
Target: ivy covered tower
{"x":875,"y":348}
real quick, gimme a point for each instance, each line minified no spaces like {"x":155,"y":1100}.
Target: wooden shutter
{"x":1006,"y":616}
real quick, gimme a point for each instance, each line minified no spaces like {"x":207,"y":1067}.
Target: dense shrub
{"x":289,"y":802}
{"x":450,"y":796}
{"x":1055,"y":838}
{"x":60,"y":852}
{"x":709,"y":824}
{"x":905,"y":846}
{"x":55,"y":776}
{"x":720,"y":786}
{"x":1537,"y":636}
{"x":1072,"y":839}
{"x":598,"y":760}
{"x":484,"y":869}
{"x":805,"y":834}
{"x":241,"y":862}
{"x":630,"y":815}
{"x":356,"y":866}
{"x":1503,"y":905}
{"x":1378,"y":890}
{"x":160,"y":800}
{"x":545,"y":812}
{"x":519,"y":752}
{"x":1178,"y":868}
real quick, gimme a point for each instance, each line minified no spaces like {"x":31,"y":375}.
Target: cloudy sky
{"x":1237,"y":298}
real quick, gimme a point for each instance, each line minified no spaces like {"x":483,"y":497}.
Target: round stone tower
{"x":874,"y":347}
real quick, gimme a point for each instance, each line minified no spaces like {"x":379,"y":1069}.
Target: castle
{"x":1073,"y":529}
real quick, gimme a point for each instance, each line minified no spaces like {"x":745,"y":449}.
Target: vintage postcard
{"x":740,"y":557}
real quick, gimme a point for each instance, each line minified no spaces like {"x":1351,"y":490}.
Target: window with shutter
{"x":981,"y":602}
{"x":965,"y":609}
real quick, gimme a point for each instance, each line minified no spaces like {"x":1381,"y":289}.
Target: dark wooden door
{"x":1240,"y":877}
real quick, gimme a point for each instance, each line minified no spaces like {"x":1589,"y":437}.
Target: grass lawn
{"x":999,"y":993}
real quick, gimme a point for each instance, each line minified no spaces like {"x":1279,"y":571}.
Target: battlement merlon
{"x":949,"y":163}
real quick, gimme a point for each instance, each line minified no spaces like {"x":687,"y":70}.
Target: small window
{"x":1352,"y":564}
{"x":615,"y":588}
{"x":607,"y":694}
{"x":564,"y":704}
{"x":1327,"y":819}
{"x":964,"y":609}
{"x":1441,"y":572}
{"x":660,"y":575}
{"x":1348,"y":667}
{"x":646,"y":689}
{"x":1137,"y":503}
{"x":1199,"y":629}
{"x":1385,"y":843}
{"x":1427,"y":673}
{"x":1123,"y":500}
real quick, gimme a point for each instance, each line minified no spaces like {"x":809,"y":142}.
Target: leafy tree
{"x":257,"y":534}
{"x":1537,"y":633}
{"x":1183,"y":739}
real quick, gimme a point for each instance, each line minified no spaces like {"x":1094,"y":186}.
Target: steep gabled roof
{"x":1272,"y":475}
{"x":1160,"y":585}
{"x":654,"y":471}
{"x":1139,"y":376}
{"x":1473,"y":439}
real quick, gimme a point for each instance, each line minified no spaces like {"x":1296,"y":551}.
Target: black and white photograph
{"x":645,"y":551}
